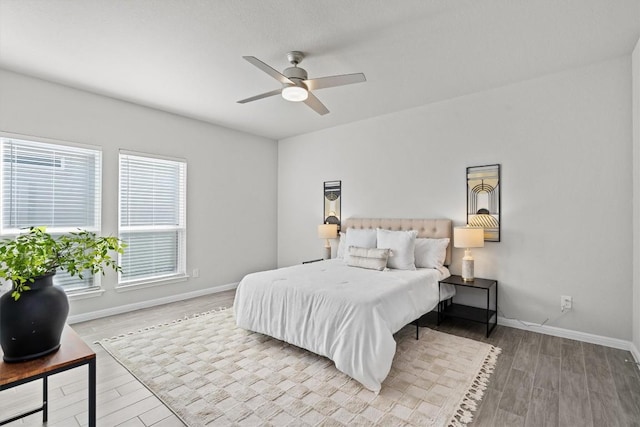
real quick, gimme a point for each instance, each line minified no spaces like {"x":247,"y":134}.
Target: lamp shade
{"x":328,"y":231}
{"x":468,"y":237}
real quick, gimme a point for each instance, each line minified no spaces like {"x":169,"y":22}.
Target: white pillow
{"x":362,"y":238}
{"x":402,"y":245}
{"x":341,"y":244}
{"x":431,"y":253}
{"x":371,"y":258}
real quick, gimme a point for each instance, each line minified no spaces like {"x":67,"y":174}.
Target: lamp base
{"x":327,"y":252}
{"x":467,"y":270}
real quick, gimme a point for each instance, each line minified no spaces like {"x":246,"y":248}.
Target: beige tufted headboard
{"x":432,"y":228}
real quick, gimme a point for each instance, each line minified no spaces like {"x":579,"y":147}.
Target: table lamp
{"x":327,"y":231}
{"x":467,"y":238}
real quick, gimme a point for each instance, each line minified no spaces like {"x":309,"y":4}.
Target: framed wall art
{"x":332,"y":202}
{"x":483,"y":200}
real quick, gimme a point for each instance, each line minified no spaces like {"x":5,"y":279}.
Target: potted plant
{"x":34,"y":312}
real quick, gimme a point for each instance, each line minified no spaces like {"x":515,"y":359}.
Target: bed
{"x":342,"y":312}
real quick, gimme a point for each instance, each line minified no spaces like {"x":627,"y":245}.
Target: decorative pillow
{"x":402,"y":245}
{"x":371,"y":258}
{"x":431,"y":253}
{"x":341,"y":244}
{"x":362,"y":238}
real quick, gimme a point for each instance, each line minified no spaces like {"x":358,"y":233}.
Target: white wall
{"x":564,"y":143}
{"x":635,"y":69}
{"x":232,"y":178}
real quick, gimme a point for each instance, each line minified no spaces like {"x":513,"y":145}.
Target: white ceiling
{"x":185,"y":56}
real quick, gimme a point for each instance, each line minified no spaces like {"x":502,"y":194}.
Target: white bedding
{"x":347,"y":314}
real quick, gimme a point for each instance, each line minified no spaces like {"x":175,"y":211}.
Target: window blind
{"x":152,"y":218}
{"x":52,"y":185}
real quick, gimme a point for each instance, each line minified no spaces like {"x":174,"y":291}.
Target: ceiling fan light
{"x":295,"y":93}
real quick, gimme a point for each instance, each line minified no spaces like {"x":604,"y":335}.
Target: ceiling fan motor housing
{"x":296,"y":75}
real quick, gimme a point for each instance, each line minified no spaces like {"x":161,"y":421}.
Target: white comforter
{"x":347,"y":314}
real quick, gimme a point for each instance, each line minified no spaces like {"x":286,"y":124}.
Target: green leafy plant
{"x":36,"y":253}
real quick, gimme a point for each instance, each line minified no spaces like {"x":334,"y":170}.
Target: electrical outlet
{"x":566,"y":302}
{"x":196,"y":272}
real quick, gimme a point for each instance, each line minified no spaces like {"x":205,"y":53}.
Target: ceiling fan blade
{"x":267,"y":69}
{"x":332,"y":81}
{"x":262,"y":95}
{"x":316,"y":105}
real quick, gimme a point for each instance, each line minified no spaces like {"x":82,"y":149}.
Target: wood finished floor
{"x":539,"y":380}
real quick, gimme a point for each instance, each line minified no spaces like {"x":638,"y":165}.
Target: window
{"x":54,"y":185}
{"x":152,"y":218}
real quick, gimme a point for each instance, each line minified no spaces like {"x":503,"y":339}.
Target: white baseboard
{"x":547,"y":330}
{"x":634,"y":351}
{"x":149,"y":303}
{"x":574,"y":335}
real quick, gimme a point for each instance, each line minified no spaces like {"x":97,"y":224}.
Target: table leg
{"x":92,"y":393}
{"x":45,"y":399}
{"x":439,"y":304}
{"x":488,"y":294}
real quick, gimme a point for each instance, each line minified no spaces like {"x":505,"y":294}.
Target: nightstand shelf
{"x":485,"y":315}
{"x":468,"y":313}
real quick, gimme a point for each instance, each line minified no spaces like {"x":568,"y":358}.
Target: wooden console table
{"x":73,"y":352}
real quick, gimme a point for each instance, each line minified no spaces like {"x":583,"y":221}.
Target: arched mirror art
{"x":332,"y":202}
{"x":483,"y":200}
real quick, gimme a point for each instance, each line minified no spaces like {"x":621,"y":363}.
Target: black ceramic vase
{"x":31,"y":327}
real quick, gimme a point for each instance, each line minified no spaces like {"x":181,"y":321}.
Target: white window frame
{"x":181,"y":227}
{"x":6,"y":232}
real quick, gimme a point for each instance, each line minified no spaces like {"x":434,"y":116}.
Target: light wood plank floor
{"x":539,"y":380}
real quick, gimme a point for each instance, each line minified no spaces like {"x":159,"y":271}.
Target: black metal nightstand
{"x":483,"y":315}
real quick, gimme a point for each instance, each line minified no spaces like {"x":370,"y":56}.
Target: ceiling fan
{"x":296,"y":86}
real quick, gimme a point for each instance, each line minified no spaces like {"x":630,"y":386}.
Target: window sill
{"x":85,"y":294}
{"x":141,"y":284}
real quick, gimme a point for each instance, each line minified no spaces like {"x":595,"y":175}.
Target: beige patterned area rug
{"x":211,"y":373}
